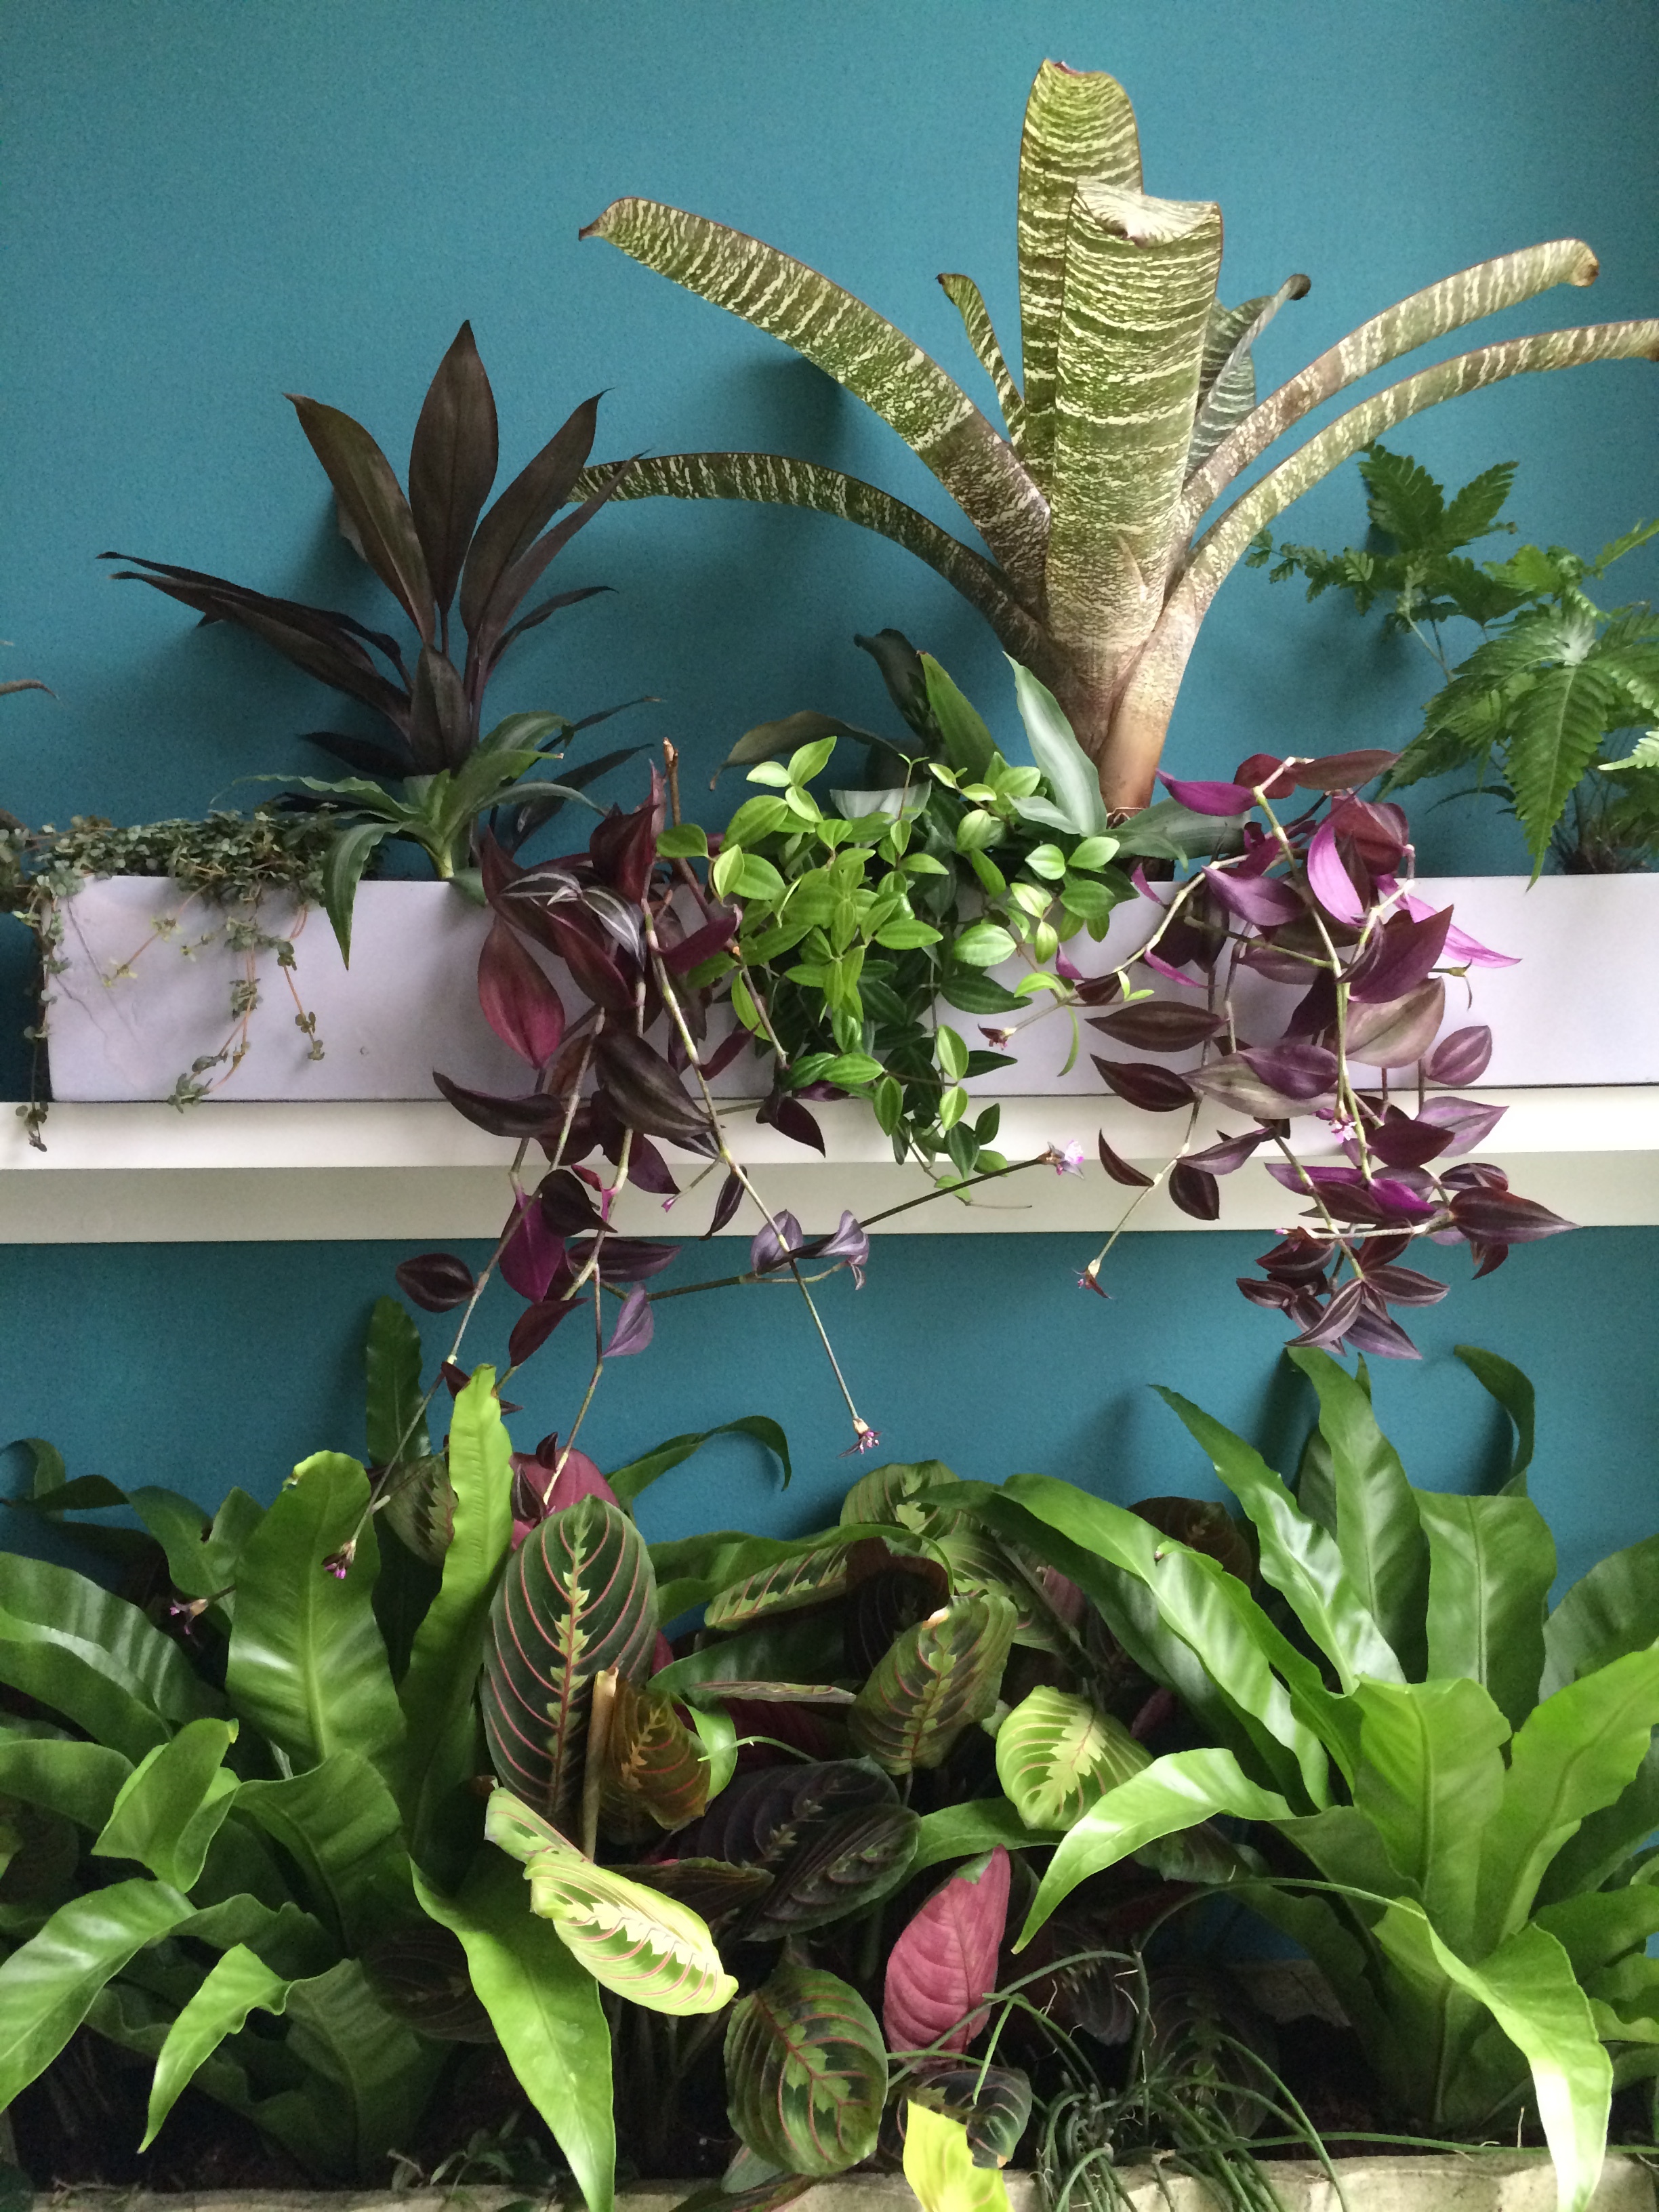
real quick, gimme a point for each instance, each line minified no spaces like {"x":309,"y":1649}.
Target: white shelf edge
{"x":267,"y":1171}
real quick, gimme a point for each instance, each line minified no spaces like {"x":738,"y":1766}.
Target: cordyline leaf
{"x":577,"y":1597}
{"x":1056,"y":1752}
{"x":654,"y":1772}
{"x":806,"y":2073}
{"x":937,"y":1680}
{"x":944,"y":1963}
{"x":371,"y":498}
{"x":522,"y":513}
{"x":451,"y":463}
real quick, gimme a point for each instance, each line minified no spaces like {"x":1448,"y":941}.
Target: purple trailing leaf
{"x":944,"y":1963}
{"x":1400,"y":955}
{"x":1398,"y":1034}
{"x":533,"y":1254}
{"x":1300,"y":1258}
{"x":1401,"y":1142}
{"x":1233,"y":1083}
{"x":566,"y":1204}
{"x":781,"y":1112}
{"x":774,"y":1242}
{"x":591,"y":967}
{"x":1229,"y":1154}
{"x":534,"y":1115}
{"x":1336,"y":1316}
{"x":1327,"y":878}
{"x":1216,"y":798}
{"x":702,"y":945}
{"x":1301,"y":1072}
{"x":533,"y":1327}
{"x":850,"y":1244}
{"x":634,"y":1325}
{"x":1141,"y":1083}
{"x":623,"y":851}
{"x":1159,"y":1026}
{"x":1266,"y":901}
{"x":730,"y":1198}
{"x":627,"y":1259}
{"x":1381,"y":1335}
{"x":1405,"y":1286}
{"x":1460,"y":1058}
{"x":1196,"y":1191}
{"x":1462,"y":950}
{"x":1268,"y":772}
{"x":437,"y":1281}
{"x":1374,"y":830}
{"x":1160,"y":966}
{"x":518,"y":1002}
{"x":1342,"y":771}
{"x":716,"y":1062}
{"x":647,"y":1093}
{"x":1120,"y":1169}
{"x":1272,"y":961}
{"x":1498,"y":1217}
{"x":648,"y":1170}
{"x":1471,"y":1120}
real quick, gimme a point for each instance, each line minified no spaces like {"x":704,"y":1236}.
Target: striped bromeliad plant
{"x":1138,"y":411}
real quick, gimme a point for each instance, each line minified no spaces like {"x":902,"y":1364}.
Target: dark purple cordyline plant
{"x":1319,"y":899}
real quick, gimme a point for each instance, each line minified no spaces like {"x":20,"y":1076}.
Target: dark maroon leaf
{"x":648,"y":1170}
{"x":535,"y":1116}
{"x":1401,"y":1142}
{"x":1314,"y":1012}
{"x":435,"y":1280}
{"x":1471,"y":1121}
{"x":626,"y":1258}
{"x":1159,"y":1026}
{"x":566,"y":1206}
{"x":1491,"y":1257}
{"x":1264,"y":769}
{"x":1399,"y":1031}
{"x":1381,"y":1335}
{"x":523,"y":511}
{"x":518,"y":1002}
{"x":1341,"y":771}
{"x":369,"y":494}
{"x":440,"y":715}
{"x":1229,"y":1154}
{"x":534,"y":1326}
{"x":1462,"y":1057}
{"x":1099,"y":991}
{"x":1142,"y":1083}
{"x":1475,"y":1175}
{"x":730,"y":1198}
{"x":1498,"y":1217}
{"x":623,"y":851}
{"x":647,"y":1093}
{"x":1335,"y":1318}
{"x":1233,"y":1082}
{"x":1271,"y":1292}
{"x":590,"y":965}
{"x":1301,"y":1071}
{"x":488,"y":641}
{"x":1300,"y":1258}
{"x":451,"y":463}
{"x":1196,"y":1191}
{"x":1218,"y":798}
{"x":1266,"y":901}
{"x":634,"y":1325}
{"x":1373,"y":832}
{"x":1272,"y":961}
{"x":724,"y":1054}
{"x":1120,"y":1169}
{"x":1402,"y":955}
{"x":1405,"y":1286}
{"x":702,"y":943}
{"x":533,"y":1254}
{"x":789,"y":1115}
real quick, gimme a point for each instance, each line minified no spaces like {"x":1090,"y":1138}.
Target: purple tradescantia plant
{"x":1321,"y":899}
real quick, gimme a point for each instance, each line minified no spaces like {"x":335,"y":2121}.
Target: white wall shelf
{"x":261,"y":1172}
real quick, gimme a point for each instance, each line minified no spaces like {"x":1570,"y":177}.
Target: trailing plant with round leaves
{"x":1139,"y":408}
{"x":806,"y":2070}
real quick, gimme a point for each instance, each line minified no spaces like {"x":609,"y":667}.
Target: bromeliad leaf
{"x":1056,"y":1754}
{"x":936,"y":1679}
{"x":806,"y":2073}
{"x":577,"y":1596}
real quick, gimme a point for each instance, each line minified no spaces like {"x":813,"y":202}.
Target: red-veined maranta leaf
{"x":938,"y":1678}
{"x":806,"y":2073}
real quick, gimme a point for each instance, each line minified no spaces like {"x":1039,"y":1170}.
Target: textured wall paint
{"x":208,"y":204}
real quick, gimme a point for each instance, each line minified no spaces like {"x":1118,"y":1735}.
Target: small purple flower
{"x":338,"y":1563}
{"x":1064,"y":1159}
{"x":864,"y":1438}
{"x":851,"y":1244}
{"x":1089,"y":1280}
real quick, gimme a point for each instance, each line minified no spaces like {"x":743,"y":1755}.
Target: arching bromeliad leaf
{"x":1056,"y":1754}
{"x":577,"y":1596}
{"x":806,"y":2073}
{"x":937,"y":1680}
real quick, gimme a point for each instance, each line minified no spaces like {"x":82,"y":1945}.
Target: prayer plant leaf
{"x":805,"y":1578}
{"x":577,"y":1597}
{"x":806,"y":2073}
{"x":944,"y":1962}
{"x":935,"y":1680}
{"x":1056,"y":1754}
{"x":647,"y":1948}
{"x":654,"y":1772}
{"x":992,"y":2103}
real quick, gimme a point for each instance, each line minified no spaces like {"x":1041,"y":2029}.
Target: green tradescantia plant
{"x":1555,"y":677}
{"x":1138,"y":411}
{"x":440,"y":553}
{"x":1467,"y":1777}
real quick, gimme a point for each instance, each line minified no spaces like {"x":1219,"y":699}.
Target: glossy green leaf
{"x":1528,"y":1987}
{"x":1056,"y":1754}
{"x":93,"y":1657}
{"x":577,"y":1597}
{"x":1175,"y":1792}
{"x":798,"y":1647}
{"x":170,"y":1807}
{"x":79,"y":1782}
{"x":1515,"y":1394}
{"x":1492,"y":1561}
{"x":626,"y":1482}
{"x":1299,"y":1557}
{"x":233,"y":1986}
{"x":307,"y":1664}
{"x":935,"y":1680}
{"x":1607,"y":1840}
{"x":202,"y":1554}
{"x":339,"y":1823}
{"x":1068,"y":770}
{"x":1384,"y":1552}
{"x":395,"y":1427}
{"x":1611,"y":1611}
{"x":966,"y":741}
{"x":369,"y":2075}
{"x":963,"y":1831}
{"x":48,"y":1983}
{"x":1430,"y":1777}
{"x":441,"y":1745}
{"x":806,"y":2073}
{"x":348,"y":855}
{"x":940,"y":2167}
{"x":1575,"y":1754}
{"x":547,"y":2011}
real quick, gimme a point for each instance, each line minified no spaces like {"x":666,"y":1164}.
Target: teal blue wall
{"x":208,"y":204}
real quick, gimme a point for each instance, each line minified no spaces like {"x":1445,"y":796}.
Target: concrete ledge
{"x":1481,"y":2181}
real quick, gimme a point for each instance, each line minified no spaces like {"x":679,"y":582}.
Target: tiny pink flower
{"x":864,"y":1438}
{"x":338,"y":1563}
{"x":1064,"y":1159}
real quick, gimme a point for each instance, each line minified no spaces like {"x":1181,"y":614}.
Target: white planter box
{"x":134,"y":1006}
{"x":1580,"y":1008}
